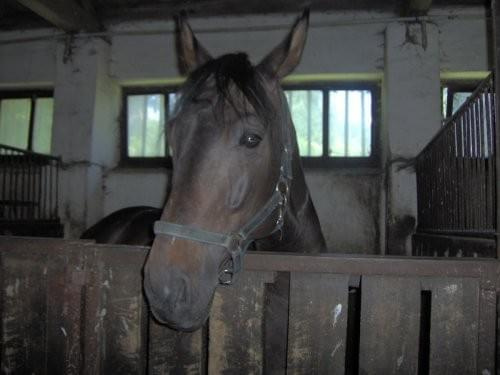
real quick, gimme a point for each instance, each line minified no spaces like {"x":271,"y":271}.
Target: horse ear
{"x":286,"y":56}
{"x":190,"y":53}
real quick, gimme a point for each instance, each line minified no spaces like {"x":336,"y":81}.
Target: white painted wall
{"x":353,"y":205}
{"x":29,"y":64}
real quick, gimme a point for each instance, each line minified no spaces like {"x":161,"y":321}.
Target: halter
{"x":236,"y":243}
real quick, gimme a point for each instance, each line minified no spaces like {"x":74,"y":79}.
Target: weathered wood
{"x":173,"y":352}
{"x":95,"y":318}
{"x":487,"y":324}
{"x":317,"y":323}
{"x":65,"y":270}
{"x":92,"y":305}
{"x":495,"y":11}
{"x":23,"y":331}
{"x":390,"y":312}
{"x":68,"y":15}
{"x":236,"y":326}
{"x":484,"y":270}
{"x":122,"y":318}
{"x":419,"y":7}
{"x":276,"y":306}
{"x":454,"y":326}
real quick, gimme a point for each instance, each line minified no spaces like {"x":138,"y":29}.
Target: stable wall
{"x":353,"y":204}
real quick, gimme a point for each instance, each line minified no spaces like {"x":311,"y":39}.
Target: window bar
{"x":309,"y":122}
{"x":23,"y":202}
{"x":40,"y":181}
{"x":56,"y":183}
{"x":10,"y":199}
{"x":50,"y":189}
{"x":144,"y":123}
{"x":32,"y":122}
{"x":346,"y":124}
{"x":326,"y":123}
{"x":166,"y":117}
{"x":290,"y":106}
{"x":45,"y":207}
{"x":5,"y":176}
{"x":363,"y":143}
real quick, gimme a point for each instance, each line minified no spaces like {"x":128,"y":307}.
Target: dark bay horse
{"x":237,"y":179}
{"x":128,"y":226}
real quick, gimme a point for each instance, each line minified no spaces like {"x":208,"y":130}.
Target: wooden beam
{"x":495,"y":11}
{"x":417,"y":7}
{"x":68,"y":15}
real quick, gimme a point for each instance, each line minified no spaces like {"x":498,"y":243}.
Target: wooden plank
{"x":454,"y":326}
{"x":122,"y":317}
{"x":23,"y":314}
{"x":487,"y":325}
{"x":68,"y":15}
{"x":317,"y":323}
{"x":419,"y":7}
{"x":92,"y":302}
{"x":66,"y":278}
{"x":495,"y":11}
{"x":483,"y":269}
{"x":390,"y":312}
{"x":174,"y":352}
{"x":276,"y":306}
{"x":236,"y":327}
{"x":57,"y":284}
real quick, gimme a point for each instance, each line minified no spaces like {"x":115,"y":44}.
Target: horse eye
{"x":250,"y":140}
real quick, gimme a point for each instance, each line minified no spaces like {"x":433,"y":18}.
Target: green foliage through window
{"x":345,"y":132}
{"x":146,"y":120}
{"x":26,"y":121}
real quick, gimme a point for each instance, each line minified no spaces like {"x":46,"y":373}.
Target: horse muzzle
{"x":174,"y":300}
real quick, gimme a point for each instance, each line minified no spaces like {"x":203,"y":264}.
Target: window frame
{"x":143,"y":161}
{"x":326,"y":161}
{"x":33,"y":95}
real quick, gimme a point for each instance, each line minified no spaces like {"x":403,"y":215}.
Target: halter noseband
{"x":237,"y":243}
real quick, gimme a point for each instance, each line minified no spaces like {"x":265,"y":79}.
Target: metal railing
{"x":456,"y":171}
{"x":28,"y":185}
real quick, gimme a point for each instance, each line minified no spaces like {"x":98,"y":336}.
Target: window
{"x":144,"y":137}
{"x":334,"y":124}
{"x":26,"y":120}
{"x":454,"y":95}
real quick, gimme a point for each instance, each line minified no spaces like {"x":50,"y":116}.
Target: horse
{"x":127,"y":226}
{"x":237,"y":180}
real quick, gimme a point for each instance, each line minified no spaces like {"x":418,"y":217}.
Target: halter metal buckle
{"x":282,"y":187}
{"x":226,"y":272}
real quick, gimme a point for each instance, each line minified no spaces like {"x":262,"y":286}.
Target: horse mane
{"x":226,"y":71}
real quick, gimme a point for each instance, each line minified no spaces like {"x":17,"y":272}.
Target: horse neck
{"x":301,"y":231}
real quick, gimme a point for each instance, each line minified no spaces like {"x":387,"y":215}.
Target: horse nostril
{"x":183,"y":295}
{"x":166,"y":291}
{"x":171,"y":289}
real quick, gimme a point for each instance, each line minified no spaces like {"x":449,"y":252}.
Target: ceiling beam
{"x":68,"y":15}
{"x":418,"y":7}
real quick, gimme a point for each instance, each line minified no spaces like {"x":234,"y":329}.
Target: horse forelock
{"x":231,"y":75}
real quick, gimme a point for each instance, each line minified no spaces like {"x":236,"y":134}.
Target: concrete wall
{"x":354,"y":205}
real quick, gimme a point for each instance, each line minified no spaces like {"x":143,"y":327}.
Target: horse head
{"x":232,"y":141}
